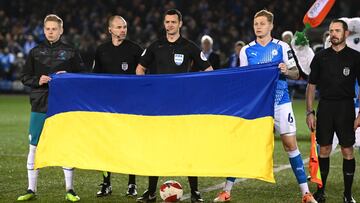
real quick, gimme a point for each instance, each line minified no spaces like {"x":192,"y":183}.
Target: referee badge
{"x":178,"y":59}
{"x":124,"y":66}
{"x":346,"y":71}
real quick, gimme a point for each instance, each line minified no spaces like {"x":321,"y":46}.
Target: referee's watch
{"x":310,"y":112}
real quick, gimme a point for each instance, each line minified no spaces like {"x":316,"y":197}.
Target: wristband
{"x":310,"y":112}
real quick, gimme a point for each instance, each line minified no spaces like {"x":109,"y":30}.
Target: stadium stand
{"x":85,"y":24}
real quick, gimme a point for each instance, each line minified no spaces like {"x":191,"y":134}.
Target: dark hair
{"x":173,"y":12}
{"x":344,"y":24}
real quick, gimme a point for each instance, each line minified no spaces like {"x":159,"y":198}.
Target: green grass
{"x":14,"y":121}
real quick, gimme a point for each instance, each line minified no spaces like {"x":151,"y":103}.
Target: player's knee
{"x":325,"y":151}
{"x":348,"y":156}
{"x":347,"y":152}
{"x":290,"y":144}
{"x":290,"y":148}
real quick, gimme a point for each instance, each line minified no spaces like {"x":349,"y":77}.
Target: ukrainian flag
{"x":217,"y":123}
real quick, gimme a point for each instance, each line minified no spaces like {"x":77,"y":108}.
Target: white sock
{"x":294,"y":153}
{"x":304,"y":188}
{"x":228,"y":186}
{"x":68,"y":173}
{"x":32,"y":174}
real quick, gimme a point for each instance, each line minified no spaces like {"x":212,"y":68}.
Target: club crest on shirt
{"x":124,"y":66}
{"x":178,"y":59}
{"x":274,"y":52}
{"x":346,"y":71}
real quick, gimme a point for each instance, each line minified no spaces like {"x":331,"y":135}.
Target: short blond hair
{"x":269,"y":16}
{"x":54,"y":18}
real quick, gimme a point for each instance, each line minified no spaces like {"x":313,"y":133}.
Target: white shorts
{"x":285,"y":123}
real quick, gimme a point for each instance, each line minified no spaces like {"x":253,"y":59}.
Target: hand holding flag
{"x":314,"y":168}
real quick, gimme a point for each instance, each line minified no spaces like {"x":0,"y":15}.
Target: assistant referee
{"x":172,"y":54}
{"x":334,"y":71}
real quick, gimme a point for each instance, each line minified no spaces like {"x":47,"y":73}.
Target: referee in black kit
{"x":172,"y":54}
{"x":334,"y":70}
{"x":118,"y":56}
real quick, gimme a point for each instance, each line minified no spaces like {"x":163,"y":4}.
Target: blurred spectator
{"x":320,"y":45}
{"x":287,"y":36}
{"x":12,"y":45}
{"x":17,"y":65}
{"x":207,"y":49}
{"x":29,"y":44}
{"x":325,"y":35}
{"x":234,"y":60}
{"x":6,"y":61}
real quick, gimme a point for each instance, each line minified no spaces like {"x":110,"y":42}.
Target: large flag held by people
{"x":217,"y":123}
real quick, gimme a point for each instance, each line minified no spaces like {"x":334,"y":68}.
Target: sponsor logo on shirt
{"x":178,"y":59}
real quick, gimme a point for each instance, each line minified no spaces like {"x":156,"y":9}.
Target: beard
{"x":336,"y":41}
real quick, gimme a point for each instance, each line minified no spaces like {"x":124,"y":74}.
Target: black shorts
{"x":335,"y":116}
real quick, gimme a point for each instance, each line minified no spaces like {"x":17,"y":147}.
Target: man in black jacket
{"x":51,"y":57}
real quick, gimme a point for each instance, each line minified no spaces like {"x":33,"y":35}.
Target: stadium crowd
{"x":85,"y":23}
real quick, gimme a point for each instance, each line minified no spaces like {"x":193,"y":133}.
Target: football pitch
{"x":14,"y":121}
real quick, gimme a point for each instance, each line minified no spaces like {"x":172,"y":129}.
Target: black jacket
{"x":214,"y":60}
{"x":46,"y":59}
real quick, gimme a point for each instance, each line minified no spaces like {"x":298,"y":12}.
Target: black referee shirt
{"x":181,"y":56}
{"x":335,"y":73}
{"x":121,"y":59}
